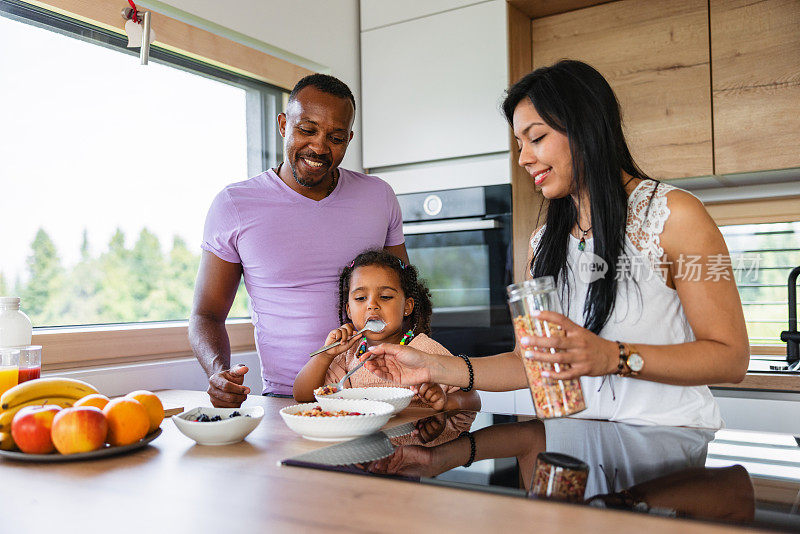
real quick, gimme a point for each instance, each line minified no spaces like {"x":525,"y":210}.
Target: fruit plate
{"x":99,"y":453}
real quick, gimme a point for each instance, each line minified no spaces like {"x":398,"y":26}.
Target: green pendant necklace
{"x":582,"y":244}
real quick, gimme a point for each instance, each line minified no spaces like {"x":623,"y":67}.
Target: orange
{"x":127,"y":421}
{"x":151,"y":403}
{"x":98,"y":400}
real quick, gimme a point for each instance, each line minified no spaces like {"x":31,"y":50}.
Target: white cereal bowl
{"x":375,"y":415}
{"x":229,"y":430}
{"x":399,"y":398}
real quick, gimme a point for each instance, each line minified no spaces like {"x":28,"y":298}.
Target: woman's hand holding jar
{"x":586,"y":353}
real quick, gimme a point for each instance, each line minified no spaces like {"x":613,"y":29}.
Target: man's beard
{"x":304,"y":183}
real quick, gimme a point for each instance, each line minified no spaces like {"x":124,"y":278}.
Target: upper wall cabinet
{"x":755,"y":51}
{"x":431,"y":87}
{"x":376,"y":13}
{"x":655,"y":55}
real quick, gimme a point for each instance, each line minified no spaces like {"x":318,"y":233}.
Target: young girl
{"x":378,"y":285}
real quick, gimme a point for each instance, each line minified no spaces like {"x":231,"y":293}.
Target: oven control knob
{"x":432,"y":205}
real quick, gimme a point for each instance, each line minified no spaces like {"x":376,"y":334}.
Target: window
{"x":762,"y":256}
{"x":108,"y":168}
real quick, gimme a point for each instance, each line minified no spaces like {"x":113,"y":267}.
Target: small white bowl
{"x":399,"y":398}
{"x":375,"y":415}
{"x":228,"y":430}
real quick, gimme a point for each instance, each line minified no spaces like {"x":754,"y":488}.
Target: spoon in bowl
{"x":339,"y":386}
{"x":373,"y":325}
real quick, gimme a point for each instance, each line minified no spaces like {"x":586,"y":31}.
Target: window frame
{"x":72,"y":347}
{"x":759,"y":211}
{"x":266,"y":79}
{"x":768,"y":210}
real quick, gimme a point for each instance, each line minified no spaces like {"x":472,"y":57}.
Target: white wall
{"x":323,"y":31}
{"x":377,"y":13}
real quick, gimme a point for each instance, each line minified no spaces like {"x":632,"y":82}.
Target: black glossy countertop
{"x":736,"y":477}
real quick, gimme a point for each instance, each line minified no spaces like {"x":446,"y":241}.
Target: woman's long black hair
{"x":413,"y":286}
{"x":574,"y":99}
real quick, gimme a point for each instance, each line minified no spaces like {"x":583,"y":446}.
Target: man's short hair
{"x":326,"y":84}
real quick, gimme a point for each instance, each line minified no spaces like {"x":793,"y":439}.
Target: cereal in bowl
{"x":317,"y":411}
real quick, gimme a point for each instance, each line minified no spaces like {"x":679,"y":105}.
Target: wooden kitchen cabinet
{"x":755,"y":68}
{"x":655,"y":55}
{"x":431,"y":87}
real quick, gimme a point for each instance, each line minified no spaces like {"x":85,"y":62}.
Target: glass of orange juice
{"x":9,"y":369}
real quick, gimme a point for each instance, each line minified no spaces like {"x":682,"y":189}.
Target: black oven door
{"x":467,"y":265}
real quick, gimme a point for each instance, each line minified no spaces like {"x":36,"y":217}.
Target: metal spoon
{"x":373,"y":325}
{"x":340,"y":384}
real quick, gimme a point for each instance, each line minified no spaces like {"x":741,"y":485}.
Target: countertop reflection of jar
{"x":559,"y":476}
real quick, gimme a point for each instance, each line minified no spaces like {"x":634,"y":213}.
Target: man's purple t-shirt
{"x":292,"y":249}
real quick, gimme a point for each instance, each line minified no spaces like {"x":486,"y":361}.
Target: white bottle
{"x":15,"y":326}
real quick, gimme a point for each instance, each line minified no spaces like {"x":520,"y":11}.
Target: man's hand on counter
{"x":225,"y":387}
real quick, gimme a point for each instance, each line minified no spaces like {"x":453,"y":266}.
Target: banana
{"x":45,"y":387}
{"x":7,"y":442}
{"x":7,"y":416}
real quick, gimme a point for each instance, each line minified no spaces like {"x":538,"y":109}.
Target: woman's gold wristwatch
{"x":630,"y":361}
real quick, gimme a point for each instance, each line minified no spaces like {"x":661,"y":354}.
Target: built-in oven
{"x":460,"y":241}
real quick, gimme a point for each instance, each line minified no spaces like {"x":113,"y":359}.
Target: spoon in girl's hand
{"x":373,"y":325}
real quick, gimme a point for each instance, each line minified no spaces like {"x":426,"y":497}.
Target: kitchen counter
{"x":176,"y":486}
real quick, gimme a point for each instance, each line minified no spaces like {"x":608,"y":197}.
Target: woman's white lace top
{"x":646,"y":311}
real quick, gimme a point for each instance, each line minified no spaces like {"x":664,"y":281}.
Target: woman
{"x":668,"y":294}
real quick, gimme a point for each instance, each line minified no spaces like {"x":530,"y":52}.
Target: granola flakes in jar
{"x":559,"y":476}
{"x":551,"y":398}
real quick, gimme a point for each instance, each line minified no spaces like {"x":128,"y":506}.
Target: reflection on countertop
{"x":750,"y":479}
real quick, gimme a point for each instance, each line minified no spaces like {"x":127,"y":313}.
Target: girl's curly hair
{"x":412,"y":286}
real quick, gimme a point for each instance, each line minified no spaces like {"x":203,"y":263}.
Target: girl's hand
{"x":399,"y":363}
{"x":431,"y":394}
{"x":345,"y":332}
{"x":586,"y":353}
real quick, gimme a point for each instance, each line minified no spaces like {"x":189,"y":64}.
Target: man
{"x":289,"y":231}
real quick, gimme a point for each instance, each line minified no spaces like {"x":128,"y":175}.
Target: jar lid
{"x":542,"y":284}
{"x":562,"y":460}
{"x":9,"y":301}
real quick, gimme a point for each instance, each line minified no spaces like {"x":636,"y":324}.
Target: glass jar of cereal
{"x":551,"y":398}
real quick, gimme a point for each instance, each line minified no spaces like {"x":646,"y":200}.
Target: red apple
{"x":30,"y":428}
{"x":79,"y":429}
